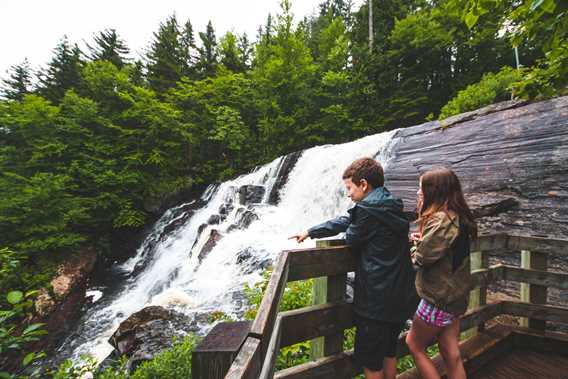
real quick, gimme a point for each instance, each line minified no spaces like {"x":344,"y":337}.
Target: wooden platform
{"x":508,"y":352}
{"x":525,"y":364}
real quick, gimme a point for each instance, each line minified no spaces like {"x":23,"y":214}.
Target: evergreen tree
{"x":109,"y":47}
{"x":63,"y":72}
{"x":245,"y":52}
{"x":229,"y":53}
{"x":136,"y":74}
{"x":187,"y":50}
{"x":207,"y":63}
{"x":19,"y":82}
{"x":165,"y":58}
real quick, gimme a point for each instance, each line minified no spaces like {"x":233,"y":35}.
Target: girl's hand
{"x":415,"y":236}
{"x":300,"y":237}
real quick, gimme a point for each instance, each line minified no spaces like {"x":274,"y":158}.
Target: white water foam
{"x":313,"y":193}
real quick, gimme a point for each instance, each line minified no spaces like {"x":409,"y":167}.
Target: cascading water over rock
{"x":200,"y":255}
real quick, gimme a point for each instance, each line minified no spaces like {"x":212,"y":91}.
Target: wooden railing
{"x":272,"y":330}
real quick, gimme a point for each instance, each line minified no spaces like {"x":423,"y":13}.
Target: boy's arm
{"x":330,"y":228}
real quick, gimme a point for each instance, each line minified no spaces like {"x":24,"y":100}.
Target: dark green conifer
{"x":18,"y":84}
{"x":63,"y":72}
{"x":208,"y":52}
{"x":165,"y":60}
{"x":109,"y":47}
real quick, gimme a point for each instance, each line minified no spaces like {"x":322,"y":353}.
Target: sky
{"x":32,"y":28}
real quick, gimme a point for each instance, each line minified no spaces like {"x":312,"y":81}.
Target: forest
{"x":94,"y":144}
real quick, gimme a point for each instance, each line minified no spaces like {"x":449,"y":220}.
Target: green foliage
{"x":16,"y":305}
{"x":492,"y":88}
{"x":19,"y":83}
{"x":169,"y":364}
{"x":543,"y":23}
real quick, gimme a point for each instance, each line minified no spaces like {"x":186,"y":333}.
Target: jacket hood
{"x":388,"y":210}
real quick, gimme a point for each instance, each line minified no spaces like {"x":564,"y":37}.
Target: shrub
{"x":492,"y":88}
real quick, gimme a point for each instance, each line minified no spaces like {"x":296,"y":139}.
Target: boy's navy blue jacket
{"x":377,"y":230}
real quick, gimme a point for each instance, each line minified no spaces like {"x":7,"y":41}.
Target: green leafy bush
{"x":169,"y":364}
{"x":492,"y":88}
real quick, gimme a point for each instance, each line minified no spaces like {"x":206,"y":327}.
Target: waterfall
{"x":200,"y":255}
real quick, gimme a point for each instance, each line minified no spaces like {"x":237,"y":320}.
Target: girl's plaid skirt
{"x":433,"y":316}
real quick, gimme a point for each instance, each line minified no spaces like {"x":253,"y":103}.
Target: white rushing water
{"x":171,"y":276}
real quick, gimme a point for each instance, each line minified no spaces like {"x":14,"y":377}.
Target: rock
{"x":214,"y":219}
{"x":251,"y":194}
{"x":511,"y":158}
{"x":212,"y":239}
{"x":147,"y":332}
{"x":243,"y":218}
{"x":251,"y":260}
{"x":44,"y":303}
{"x":176,"y":224}
{"x":284,"y":170}
{"x":60,"y":308}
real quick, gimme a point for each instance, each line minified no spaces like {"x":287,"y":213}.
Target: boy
{"x":384,"y":297}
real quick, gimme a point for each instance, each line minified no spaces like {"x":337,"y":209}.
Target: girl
{"x":445,"y":226}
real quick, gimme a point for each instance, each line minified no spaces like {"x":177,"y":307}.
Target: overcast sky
{"x":32,"y":28}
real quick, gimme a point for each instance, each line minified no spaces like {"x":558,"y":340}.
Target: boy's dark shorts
{"x":375,"y":340}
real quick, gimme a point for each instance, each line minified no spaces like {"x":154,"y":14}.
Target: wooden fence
{"x":272,"y":330}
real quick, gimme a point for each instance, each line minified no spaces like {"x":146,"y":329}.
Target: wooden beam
{"x":247,"y":364}
{"x":318,"y":320}
{"x":479,"y":261}
{"x":540,"y":277}
{"x":536,"y":311}
{"x":214,"y":355}
{"x":533,"y":293}
{"x":339,"y":366}
{"x":480,"y":315}
{"x":489,"y":242}
{"x":272,"y":351}
{"x":539,"y":244}
{"x":317,"y":262}
{"x":263,"y":324}
{"x":485,"y":277}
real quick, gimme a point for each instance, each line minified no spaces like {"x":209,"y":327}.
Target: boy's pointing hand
{"x":300,"y":237}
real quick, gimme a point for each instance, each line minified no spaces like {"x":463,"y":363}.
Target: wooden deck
{"x":509,"y":352}
{"x":525,"y":364}
{"x":489,"y":349}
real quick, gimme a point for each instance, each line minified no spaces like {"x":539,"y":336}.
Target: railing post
{"x":533,"y":293}
{"x":477,"y":296}
{"x":328,"y":289}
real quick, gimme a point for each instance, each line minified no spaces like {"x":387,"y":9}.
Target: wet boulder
{"x":147,"y":332}
{"x":288,"y":163}
{"x":250,"y":194}
{"x":243,"y":218}
{"x":251,"y":260}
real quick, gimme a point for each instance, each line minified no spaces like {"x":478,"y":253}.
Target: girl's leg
{"x":419,"y":337}
{"x":448,"y":341}
{"x":389,"y":367}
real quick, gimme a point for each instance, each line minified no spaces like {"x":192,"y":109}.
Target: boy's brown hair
{"x":368,"y":169}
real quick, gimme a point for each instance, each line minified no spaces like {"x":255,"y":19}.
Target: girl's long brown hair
{"x":441,"y":190}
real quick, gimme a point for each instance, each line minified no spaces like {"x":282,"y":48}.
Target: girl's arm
{"x":437,"y":237}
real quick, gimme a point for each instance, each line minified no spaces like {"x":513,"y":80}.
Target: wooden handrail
{"x":262,"y":346}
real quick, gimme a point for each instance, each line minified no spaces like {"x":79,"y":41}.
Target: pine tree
{"x":63,"y":72}
{"x":208,"y":52}
{"x":187,"y":42}
{"x":245,"y":51}
{"x":19,"y":82}
{"x":165,"y":60}
{"x":109,"y":47}
{"x":136,"y":73}
{"x":229,"y":53}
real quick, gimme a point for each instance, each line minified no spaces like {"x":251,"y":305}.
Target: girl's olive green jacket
{"x":444,"y":277}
